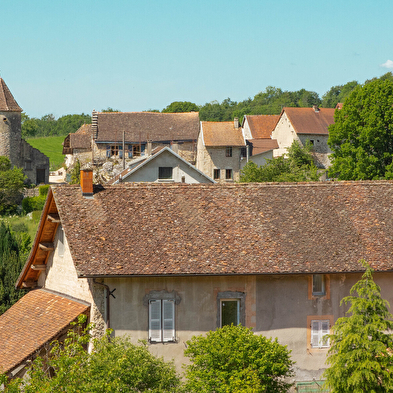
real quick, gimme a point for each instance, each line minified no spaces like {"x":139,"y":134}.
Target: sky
{"x":65,"y":57}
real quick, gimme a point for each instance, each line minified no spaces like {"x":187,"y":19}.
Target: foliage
{"x":109,"y":110}
{"x":298,"y":165}
{"x":52,"y":147}
{"x":48,"y":125}
{"x":361,"y":138}
{"x":75,"y":173}
{"x":44,"y":189}
{"x":14,"y":248}
{"x":30,"y":204}
{"x":360,"y":355}
{"x":11,"y":186}
{"x":234,"y":359}
{"x":338,"y":94}
{"x":181,"y":106}
{"x":114,"y":365}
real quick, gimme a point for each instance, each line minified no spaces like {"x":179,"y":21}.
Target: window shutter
{"x":315,"y":334}
{"x":108,"y":151}
{"x":169,"y":320}
{"x":143,"y":150}
{"x":120,"y":151}
{"x":155,"y":320}
{"x":324,"y":331}
{"x":129,"y":151}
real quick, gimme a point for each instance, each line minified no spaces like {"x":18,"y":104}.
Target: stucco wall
{"x":285,"y":135}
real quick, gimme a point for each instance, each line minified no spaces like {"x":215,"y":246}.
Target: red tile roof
{"x":262,"y":126}
{"x":154,"y":229}
{"x":81,"y":139}
{"x":36,"y":319}
{"x":309,"y":121}
{"x":143,"y":126}
{"x":7,"y":101}
{"x":223,"y":133}
{"x":263,"y":145}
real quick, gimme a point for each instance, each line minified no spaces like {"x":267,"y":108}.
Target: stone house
{"x":185,"y":259}
{"x":77,"y":146}
{"x":221,"y":149}
{"x":302,"y":124}
{"x":165,"y":166}
{"x":35,"y":164}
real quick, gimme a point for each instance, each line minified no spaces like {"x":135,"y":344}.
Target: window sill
{"x":166,"y":180}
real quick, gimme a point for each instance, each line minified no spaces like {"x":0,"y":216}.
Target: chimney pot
{"x":86,"y":179}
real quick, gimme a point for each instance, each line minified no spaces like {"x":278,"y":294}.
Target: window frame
{"x":319,"y":319}
{"x":230,"y":296}
{"x":216,"y":171}
{"x":312,"y":295}
{"x":316,"y":292}
{"x":228,"y":151}
{"x":228,"y":171}
{"x":222,"y":301}
{"x":163,"y":169}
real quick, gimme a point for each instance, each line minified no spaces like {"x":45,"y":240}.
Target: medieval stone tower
{"x":10,"y":126}
{"x":35,"y":164}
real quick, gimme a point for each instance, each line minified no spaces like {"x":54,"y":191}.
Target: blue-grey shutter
{"x":120,"y":151}
{"x":155,"y":321}
{"x":168,"y":320}
{"x":143,"y":150}
{"x":129,"y":151}
{"x":108,"y":151}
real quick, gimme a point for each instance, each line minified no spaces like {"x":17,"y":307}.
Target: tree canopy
{"x":234,"y":359}
{"x":361,"y":352}
{"x":181,"y":106}
{"x":361,"y":138}
{"x":296,"y":166}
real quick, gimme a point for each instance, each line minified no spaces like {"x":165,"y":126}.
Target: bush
{"x":30,"y":204}
{"x":43,"y":190}
{"x":234,"y":359}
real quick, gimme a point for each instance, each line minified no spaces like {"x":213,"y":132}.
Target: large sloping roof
{"x":81,"y":139}
{"x":153,"y":229}
{"x":263,"y":145}
{"x":223,"y":133}
{"x":36,"y":319}
{"x":262,"y":126}
{"x":7,"y":101}
{"x":309,"y":121}
{"x":143,"y":126}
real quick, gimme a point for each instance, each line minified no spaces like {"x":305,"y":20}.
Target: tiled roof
{"x":308,"y":121}
{"x":81,"y":139}
{"x":33,"y":321}
{"x":262,"y":126}
{"x":221,"y":133}
{"x":263,"y":145}
{"x":7,"y":101}
{"x":153,"y":229}
{"x":143,"y":126}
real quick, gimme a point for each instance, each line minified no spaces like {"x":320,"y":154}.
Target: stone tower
{"x":10,"y":126}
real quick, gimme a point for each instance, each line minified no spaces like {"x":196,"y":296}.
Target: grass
{"x":23,"y":223}
{"x":52,"y":147}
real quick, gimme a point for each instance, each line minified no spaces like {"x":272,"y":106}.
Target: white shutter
{"x":155,"y":321}
{"x":315,"y":334}
{"x":324,"y":332}
{"x":169,"y":320}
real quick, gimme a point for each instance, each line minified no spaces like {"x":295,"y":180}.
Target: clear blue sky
{"x":67,"y":56}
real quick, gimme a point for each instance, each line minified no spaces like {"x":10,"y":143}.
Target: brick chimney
{"x":94,"y":124}
{"x":86,"y":179}
{"x":236,"y":122}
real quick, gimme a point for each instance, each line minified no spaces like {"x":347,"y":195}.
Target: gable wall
{"x":285,"y":135}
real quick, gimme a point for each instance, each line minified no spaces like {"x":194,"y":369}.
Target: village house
{"x":137,"y":133}
{"x":181,"y":260}
{"x":221,"y":149}
{"x":35,"y":164}
{"x":305,"y":124}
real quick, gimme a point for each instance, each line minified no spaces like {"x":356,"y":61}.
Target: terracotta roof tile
{"x":7,"y":101}
{"x":33,"y":321}
{"x":153,"y":229}
{"x":81,"y":139}
{"x":308,"y":121}
{"x":143,"y":126}
{"x":263,"y":145}
{"x":262,"y":126}
{"x":222,"y":133}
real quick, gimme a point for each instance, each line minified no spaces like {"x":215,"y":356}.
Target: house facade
{"x":302,"y":125}
{"x":35,"y":164}
{"x":181,"y":260}
{"x":221,"y":149}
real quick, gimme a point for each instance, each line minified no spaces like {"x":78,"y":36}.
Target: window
{"x":165,"y":172}
{"x":318,"y":285}
{"x":60,"y":242}
{"x":216,"y":174}
{"x":162,"y":320}
{"x":228,"y":151}
{"x":28,"y":165}
{"x":230,"y":308}
{"x":319,"y":329}
{"x":228,"y":174}
{"x":114,"y":150}
{"x":243,"y":152}
{"x":230,"y":312}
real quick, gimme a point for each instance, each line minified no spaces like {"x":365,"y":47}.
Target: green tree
{"x":361,"y":138}
{"x":113,"y":366}
{"x":234,"y":359}
{"x":338,"y":94}
{"x":109,"y":110}
{"x":75,"y":173}
{"x":296,"y":166}
{"x":11,"y":186}
{"x":181,"y":106}
{"x":360,"y":356}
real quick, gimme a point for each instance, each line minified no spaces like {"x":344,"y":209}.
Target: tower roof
{"x":7,"y":101}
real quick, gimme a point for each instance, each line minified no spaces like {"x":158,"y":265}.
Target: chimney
{"x":175,"y":147}
{"x":86,"y":179}
{"x":236,"y":122}
{"x":148,"y":148}
{"x":315,"y":107}
{"x":94,"y":124}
